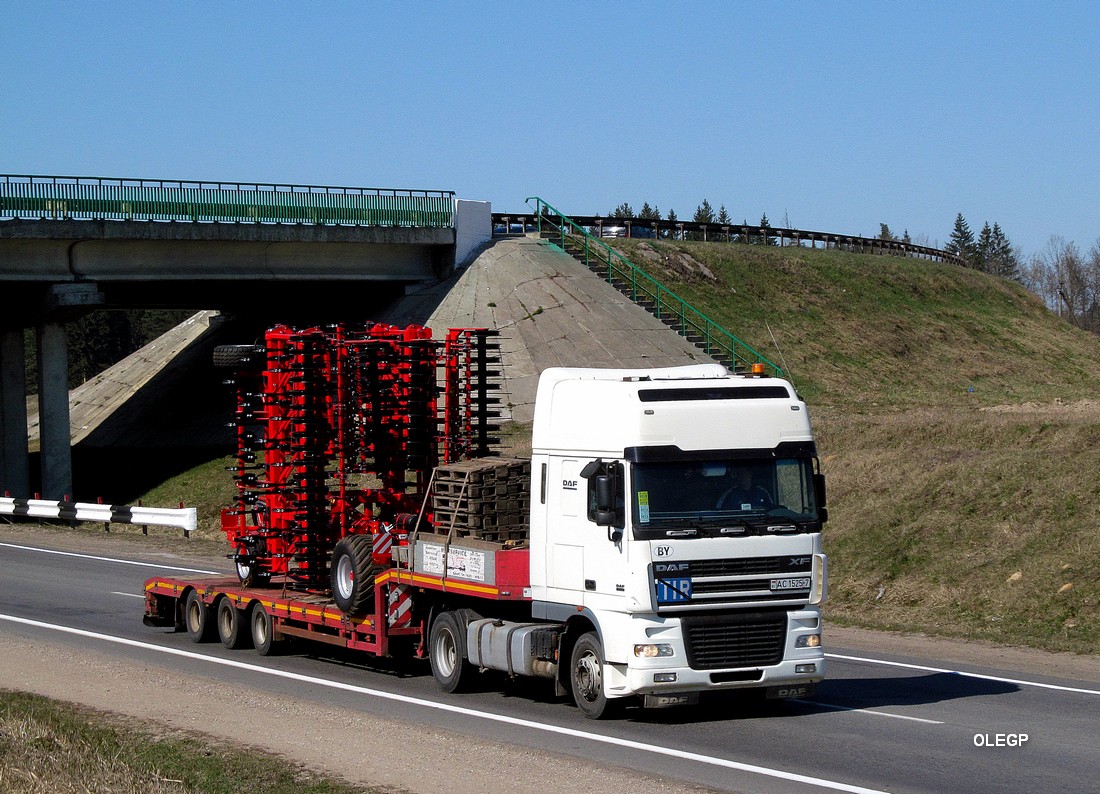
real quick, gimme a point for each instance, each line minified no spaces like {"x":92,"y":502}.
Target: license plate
{"x":802,"y":583}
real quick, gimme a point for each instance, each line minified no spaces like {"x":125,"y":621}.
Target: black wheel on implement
{"x":352,"y":574}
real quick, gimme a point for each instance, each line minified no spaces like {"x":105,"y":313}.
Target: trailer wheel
{"x":196,"y":618}
{"x":586,"y":678}
{"x":353,"y":573}
{"x":447,"y":652}
{"x":230,"y":630}
{"x":237,"y":355}
{"x":263,"y":629}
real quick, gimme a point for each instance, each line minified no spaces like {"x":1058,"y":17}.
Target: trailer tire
{"x":237,"y":355}
{"x":586,"y":678}
{"x":447,"y":652}
{"x":352,"y":574}
{"x":263,"y":629}
{"x":231,"y":630}
{"x":197,"y":619}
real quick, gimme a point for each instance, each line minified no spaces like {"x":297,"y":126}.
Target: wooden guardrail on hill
{"x":599,"y":226}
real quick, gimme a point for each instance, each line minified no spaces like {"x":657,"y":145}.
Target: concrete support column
{"x":53,"y":411}
{"x":14,"y":460}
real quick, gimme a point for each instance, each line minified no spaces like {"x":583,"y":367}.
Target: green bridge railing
{"x":95,"y":198}
{"x":644,"y":290}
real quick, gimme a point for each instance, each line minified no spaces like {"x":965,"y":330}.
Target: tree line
{"x":704,"y":213}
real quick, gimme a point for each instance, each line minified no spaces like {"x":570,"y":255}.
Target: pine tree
{"x":1003,"y":260}
{"x":961,"y":241}
{"x":624,"y":210}
{"x":768,"y":239}
{"x":983,"y":250}
{"x":672,"y":219}
{"x":884,"y":232}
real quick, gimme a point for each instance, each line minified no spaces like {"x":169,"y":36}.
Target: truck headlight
{"x":651,"y":650}
{"x":807,"y":641}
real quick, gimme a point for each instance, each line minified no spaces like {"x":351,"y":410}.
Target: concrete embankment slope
{"x":146,"y":398}
{"x":551,"y":311}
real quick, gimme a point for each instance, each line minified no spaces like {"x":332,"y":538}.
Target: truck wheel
{"x":447,"y":652}
{"x":353,"y":573}
{"x":237,"y":355}
{"x":263,"y":629}
{"x":230,"y":630}
{"x":586,"y":678}
{"x":196,"y":618}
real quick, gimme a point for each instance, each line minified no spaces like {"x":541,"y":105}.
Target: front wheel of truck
{"x":586,"y":678}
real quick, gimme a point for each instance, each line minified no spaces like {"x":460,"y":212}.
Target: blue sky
{"x":836,"y":116}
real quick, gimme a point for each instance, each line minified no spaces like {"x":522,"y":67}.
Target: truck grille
{"x":754,"y":639}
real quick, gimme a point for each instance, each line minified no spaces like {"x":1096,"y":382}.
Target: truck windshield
{"x":734,"y":497}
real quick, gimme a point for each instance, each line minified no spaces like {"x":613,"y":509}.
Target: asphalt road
{"x":880,"y":722}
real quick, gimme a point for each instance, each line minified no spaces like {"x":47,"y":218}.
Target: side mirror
{"x":819,"y":486}
{"x":606,"y":499}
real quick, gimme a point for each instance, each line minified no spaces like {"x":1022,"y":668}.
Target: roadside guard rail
{"x":185,"y":518}
{"x":644,"y":290}
{"x":101,"y":198}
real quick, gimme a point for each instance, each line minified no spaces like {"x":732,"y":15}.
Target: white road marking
{"x":594,"y":737}
{"x":834,"y":707}
{"x":128,"y":595}
{"x":108,"y":559}
{"x":922,"y":668}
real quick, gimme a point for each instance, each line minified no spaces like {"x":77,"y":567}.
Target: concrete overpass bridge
{"x":301,"y":253}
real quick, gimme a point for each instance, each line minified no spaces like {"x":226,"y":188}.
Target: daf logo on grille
{"x":797,"y":562}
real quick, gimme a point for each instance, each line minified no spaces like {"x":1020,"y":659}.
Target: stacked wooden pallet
{"x":486,"y":499}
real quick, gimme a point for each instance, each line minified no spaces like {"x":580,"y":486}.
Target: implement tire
{"x":352,"y":574}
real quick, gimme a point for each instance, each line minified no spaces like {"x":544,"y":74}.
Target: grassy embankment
{"x":957,"y":418}
{"x":52,"y":748}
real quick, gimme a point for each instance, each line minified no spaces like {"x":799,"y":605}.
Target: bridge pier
{"x":55,"y":458}
{"x":14,"y":458}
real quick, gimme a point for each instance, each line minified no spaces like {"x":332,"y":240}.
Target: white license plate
{"x":802,"y":583}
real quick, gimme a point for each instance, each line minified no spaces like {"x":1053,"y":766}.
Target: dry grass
{"x":55,"y":748}
{"x":966,"y":523}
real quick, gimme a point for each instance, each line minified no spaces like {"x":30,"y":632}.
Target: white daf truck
{"x":672,"y":547}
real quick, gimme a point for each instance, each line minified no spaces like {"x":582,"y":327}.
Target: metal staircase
{"x":645,"y":291}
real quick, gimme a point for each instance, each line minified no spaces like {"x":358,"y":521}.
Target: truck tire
{"x":586,"y":678}
{"x":447,"y":652}
{"x":263,"y":629}
{"x":196,"y":618}
{"x":352,"y":574}
{"x":231,"y":630}
{"x":238,"y":356}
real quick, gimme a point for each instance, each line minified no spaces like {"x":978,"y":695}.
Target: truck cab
{"x":676,"y":520}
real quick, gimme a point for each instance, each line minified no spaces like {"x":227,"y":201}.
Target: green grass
{"x":880,"y":331}
{"x":50,"y":748}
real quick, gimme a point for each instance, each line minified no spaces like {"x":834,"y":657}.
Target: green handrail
{"x":81,"y":198}
{"x":644,"y":289}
